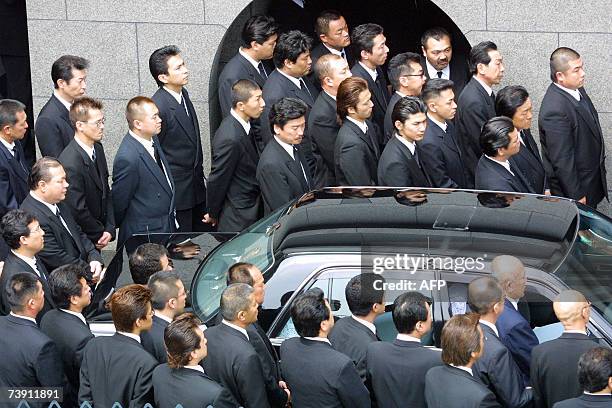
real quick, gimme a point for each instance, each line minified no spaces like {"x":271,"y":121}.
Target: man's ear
{"x":364,"y":54}
{"x":423,"y":49}
{"x":163,"y":78}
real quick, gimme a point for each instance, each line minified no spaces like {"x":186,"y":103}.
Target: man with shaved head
{"x":514,"y":330}
{"x":554,"y":363}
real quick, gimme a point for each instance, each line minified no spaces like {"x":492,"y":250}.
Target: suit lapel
{"x":418,"y":174}
{"x":363,"y":136}
{"x":292,"y":165}
{"x":186,"y":122}
{"x":253,"y":73}
{"x":62,"y":109}
{"x":14,"y":163}
{"x":91,"y":168}
{"x":587,"y":115}
{"x":151,"y":164}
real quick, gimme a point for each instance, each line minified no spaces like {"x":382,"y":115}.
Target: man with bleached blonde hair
{"x":554,"y":363}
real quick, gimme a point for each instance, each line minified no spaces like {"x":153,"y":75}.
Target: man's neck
{"x":436,"y":117}
{"x":286,"y":72}
{"x":330,"y":90}
{"x":332,"y":47}
{"x":489,"y":318}
{"x":75,"y":309}
{"x":574,"y":327}
{"x":7,"y":138}
{"x":145,"y":137}
{"x":42,"y":198}
{"x":240,"y":324}
{"x":84,"y":139}
{"x":64,"y":95}
{"x":369,"y":64}
{"x":406,"y":138}
{"x":26,"y":313}
{"x":484,"y":80}
{"x":165,"y":312}
{"x":322,"y":334}
{"x":25,"y":252}
{"x":355,"y":118}
{"x":370,"y":317}
{"x":407,"y":92}
{"x":251,"y":53}
{"x":175,"y":88}
{"x":243,"y":116}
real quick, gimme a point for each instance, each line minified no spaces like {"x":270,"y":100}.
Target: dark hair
{"x":495,"y":135}
{"x":181,"y":338}
{"x":362,"y":37}
{"x":559,"y":61}
{"x":479,"y":54}
{"x":285,"y":110}
{"x":128,"y":304}
{"x":19,"y":289}
{"x":240,"y":273}
{"x":8,"y":111}
{"x":308,"y":310}
{"x":595,"y":369}
{"x":483,"y":294}
{"x":323,"y":20}
{"x":63,"y":66}
{"x":460,"y":338}
{"x":361,"y":293}
{"x":348,"y":94}
{"x":14,"y":225}
{"x":400,"y":66}
{"x":242,"y":90}
{"x":437,"y":33}
{"x":235,"y":299}
{"x":40,"y":171}
{"x":258,"y":28}
{"x":164,"y":286}
{"x":158,"y":61}
{"x":289,"y":46}
{"x":133,"y":110}
{"x":408,"y":309}
{"x":408,"y":105}
{"x":434,"y":87}
{"x":79,"y":110}
{"x":145,"y":261}
{"x":65,"y":282}
{"x":509,"y":99}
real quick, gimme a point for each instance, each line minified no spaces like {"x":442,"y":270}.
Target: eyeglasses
{"x":37,"y":229}
{"x":98,"y":123}
{"x":414,"y":75}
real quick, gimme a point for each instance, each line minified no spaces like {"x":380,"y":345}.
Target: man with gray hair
{"x":232,"y":360}
{"x":514,"y":330}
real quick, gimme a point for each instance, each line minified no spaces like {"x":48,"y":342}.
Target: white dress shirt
{"x":245,"y":125}
{"x":30,"y":261}
{"x":233,"y":326}
{"x":248,"y":58}
{"x":178,"y":97}
{"x":24,"y":317}
{"x":373,"y":73}
{"x":296,"y":81}
{"x":53,"y":208}
{"x":11,"y":146}
{"x":196,"y":367}
{"x":88,"y":150}
{"x":79,"y":315}
{"x":362,"y":125}
{"x":163,"y":317}
{"x":576,"y":332}
{"x":433,"y":73}
{"x":367,"y":324}
{"x":64,"y":102}
{"x":487,"y":88}
{"x":489,"y":325}
{"x":321,"y":339}
{"x":407,"y":337}
{"x":130,"y":335}
{"x":574,"y":92}
{"x":466,"y":369}
{"x":410,"y":145}
{"x":514,"y":303}
{"x":289,"y":149}
{"x":441,"y":125}
{"x":148,"y":145}
{"x":506,"y":163}
{"x":330,"y":95}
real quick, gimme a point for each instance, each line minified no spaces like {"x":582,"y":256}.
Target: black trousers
{"x":190,"y":220}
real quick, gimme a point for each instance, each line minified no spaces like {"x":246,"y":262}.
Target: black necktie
{"x":493,"y":97}
{"x":61,"y":220}
{"x":343,"y":54}
{"x":262,"y":70}
{"x":184,"y":105}
{"x":93,"y":155}
{"x":303,"y":87}
{"x":439,"y":74}
{"x":296,"y":157}
{"x":17,"y":156}
{"x":157,"y":158}
{"x":415,"y":155}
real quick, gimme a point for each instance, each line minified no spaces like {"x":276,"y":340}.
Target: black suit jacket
{"x":70,"y":336}
{"x":280,"y":177}
{"x":380,"y":97}
{"x":233,"y":362}
{"x":493,"y":176}
{"x":572,"y":146}
{"x":13,"y":179}
{"x":233,"y":192}
{"x":398,"y":167}
{"x":352,"y":338}
{"x":554,"y":367}
{"x":61,"y":247}
{"x":53,"y":128}
{"x":319,"y":376}
{"x":442,"y":158}
{"x":586,"y":401}
{"x":498,"y":371}
{"x":459,"y":72}
{"x":324,"y":127}
{"x":116,"y":369}
{"x":389,"y":127}
{"x":317,"y":52}
{"x":529,"y":162}
{"x":189,"y":388}
{"x":180,"y":141}
{"x":356,"y":155}
{"x":89,"y":195}
{"x":446,"y":385}
{"x":391,"y":366}
{"x":474,"y":108}
{"x":153,"y":340}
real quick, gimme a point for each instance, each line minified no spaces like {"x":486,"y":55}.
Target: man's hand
{"x":284,"y":387}
{"x":582,"y":200}
{"x":209,"y":220}
{"x":547,"y":193}
{"x":104,"y":240}
{"x":187,"y":250}
{"x":96,"y":270}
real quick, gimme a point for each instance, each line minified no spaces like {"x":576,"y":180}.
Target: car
{"x":431,"y":240}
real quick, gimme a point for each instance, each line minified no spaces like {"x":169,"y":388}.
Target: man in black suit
{"x":65,"y":242}
{"x":179,"y":137}
{"x":400,"y":163}
{"x":323,"y":124}
{"x":595,"y":376}
{"x":148,"y":259}
{"x":496,"y":367}
{"x":438,"y":60}
{"x":514,"y":102}
{"x":462,"y":345}
{"x":232,"y":361}
{"x":89,"y":196}
{"x":495,"y":171}
{"x":283,"y":172}
{"x":476,"y":103}
{"x":369,"y":42}
{"x":13,"y":167}
{"x":351,"y":335}
{"x":356,"y":150}
{"x":553,"y":363}
{"x":29,"y":357}
{"x":53,"y":128}
{"x":182,"y":380}
{"x":168,"y":297}
{"x":234,"y":197}
{"x":24,"y":236}
{"x":67,"y":326}
{"x":318,"y":375}
{"x":442,"y":158}
{"x":143,"y":190}
{"x":570,"y":133}
{"x":390,"y":366}
{"x":407,"y":79}
{"x":116,"y":368}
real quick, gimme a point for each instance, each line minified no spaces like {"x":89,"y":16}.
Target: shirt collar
{"x":64,"y":102}
{"x":362,"y":125}
{"x":51,"y":207}
{"x":196,"y":367}
{"x":233,"y":326}
{"x":321,"y":339}
{"x":410,"y":145}
{"x":30,"y":261}
{"x":163,"y":317}
{"x":79,"y":315}
{"x":514,"y":303}
{"x":296,"y":81}
{"x":365,"y":323}
{"x":574,"y":92}
{"x":288,"y":148}
{"x":88,"y":150}
{"x":333,"y":50}
{"x":603,"y":395}
{"x":24,"y":317}
{"x":330,"y":95}
{"x":442,"y":126}
{"x":490,"y":326}
{"x":245,"y":125}
{"x":373,"y":73}
{"x":148,"y":144}
{"x":486,"y":87}
{"x":466,"y":369}
{"x":407,"y":337}
{"x":433,"y":73}
{"x":175,"y":95}
{"x":130,"y":335}
{"x":576,"y":332}
{"x":248,"y":58}
{"x":400,"y":94}
{"x":506,"y":163}
{"x":11,"y":146}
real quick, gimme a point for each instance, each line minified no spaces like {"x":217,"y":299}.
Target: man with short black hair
{"x":148,"y":259}
{"x":53,"y":128}
{"x":333,"y":32}
{"x":67,"y":326}
{"x":439,"y":61}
